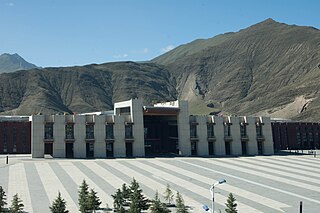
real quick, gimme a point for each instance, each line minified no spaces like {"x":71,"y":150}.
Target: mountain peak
{"x":13,"y":62}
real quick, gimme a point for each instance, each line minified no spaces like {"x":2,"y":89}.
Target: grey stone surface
{"x":260,"y":184}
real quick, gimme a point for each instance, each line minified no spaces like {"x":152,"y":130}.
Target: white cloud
{"x":143,"y":51}
{"x":167,"y":48}
{"x":10,"y":4}
{"x":120,"y":56}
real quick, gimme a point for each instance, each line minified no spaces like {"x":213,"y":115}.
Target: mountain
{"x":82,"y":88}
{"x":269,"y":69}
{"x":14,"y":62}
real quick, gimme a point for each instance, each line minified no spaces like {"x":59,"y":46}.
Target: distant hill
{"x":270,"y":69}
{"x":82,"y":89}
{"x":14,"y":62}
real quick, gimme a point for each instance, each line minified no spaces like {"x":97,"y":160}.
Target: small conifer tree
{"x":181,"y":208}
{"x":157,"y":206}
{"x":168,"y":195}
{"x":125,"y":193}
{"x":138,"y":201}
{"x":16,"y":204}
{"x":118,"y":201}
{"x":231,"y":205}
{"x":93,"y":201}
{"x":58,"y":205}
{"x":83,"y":196}
{"x":2,"y":199}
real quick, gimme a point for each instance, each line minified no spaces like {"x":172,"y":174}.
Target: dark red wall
{"x":295,"y":135}
{"x":18,"y":132}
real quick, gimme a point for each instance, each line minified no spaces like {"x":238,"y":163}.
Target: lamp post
{"x":212,"y":191}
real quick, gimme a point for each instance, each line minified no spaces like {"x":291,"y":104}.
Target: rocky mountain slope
{"x":14,"y":62}
{"x":268,"y":69}
{"x":82,"y":89}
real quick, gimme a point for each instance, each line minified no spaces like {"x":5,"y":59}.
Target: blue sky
{"x":78,"y":32}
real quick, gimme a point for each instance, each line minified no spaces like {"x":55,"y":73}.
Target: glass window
{"x":227,"y":130}
{"x":14,"y":139}
{"x":109,"y":131}
{"x":5,"y":139}
{"x":259,"y":130}
{"x":69,"y":131}
{"x":210,"y":131}
{"x":90,"y":131}
{"x":128,"y":132}
{"x":48,"y":131}
{"x":243,"y":130}
{"x":193,"y":131}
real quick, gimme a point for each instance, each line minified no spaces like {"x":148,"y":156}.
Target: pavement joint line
{"x":255,"y":183}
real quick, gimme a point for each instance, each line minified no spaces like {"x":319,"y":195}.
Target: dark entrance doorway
{"x":129,"y":151}
{"x":89,"y":150}
{"x":228,"y":148}
{"x":160,"y":135}
{"x":260,"y":147}
{"x":244,"y":147}
{"x":109,"y":150}
{"x":194,"y":150}
{"x":211,"y":148}
{"x":48,"y":149}
{"x":69,"y":150}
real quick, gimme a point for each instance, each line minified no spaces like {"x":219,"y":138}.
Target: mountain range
{"x":13,"y":62}
{"x":270,"y":69}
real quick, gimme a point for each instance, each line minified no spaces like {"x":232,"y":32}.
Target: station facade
{"x":134,"y":130}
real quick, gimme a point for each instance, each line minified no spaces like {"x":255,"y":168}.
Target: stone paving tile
{"x":260,"y":184}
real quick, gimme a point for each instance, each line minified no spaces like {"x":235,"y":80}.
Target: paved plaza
{"x":260,"y":184}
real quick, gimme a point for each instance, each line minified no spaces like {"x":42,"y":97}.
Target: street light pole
{"x":212,"y":191}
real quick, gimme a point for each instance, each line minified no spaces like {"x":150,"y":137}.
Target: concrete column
{"x":79,"y":146}
{"x":267,"y":133}
{"x":251,"y":132}
{"x":37,"y":136}
{"x":219,"y":144}
{"x":184,"y":129}
{"x":202,"y":135}
{"x":59,"y":145}
{"x":99,"y":135}
{"x":137,"y":128}
{"x":119,"y":148}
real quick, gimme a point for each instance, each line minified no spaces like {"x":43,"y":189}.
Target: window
{"x":298,"y":137}
{"x":48,"y":131}
{"x":128,"y":132}
{"x":259,"y":130}
{"x":5,"y":139}
{"x":109,"y":131}
{"x":210,"y":131}
{"x":193,"y":131}
{"x":14,"y":139}
{"x":89,"y":131}
{"x":69,"y":131}
{"x":227,"y":130}
{"x":24,"y":140}
{"x":243,"y":130}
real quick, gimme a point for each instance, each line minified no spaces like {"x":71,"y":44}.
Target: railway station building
{"x":134,"y":130}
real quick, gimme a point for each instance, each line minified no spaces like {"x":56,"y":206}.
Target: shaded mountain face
{"x":14,"y":62}
{"x":267,"y":69}
{"x":83,"y":89}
